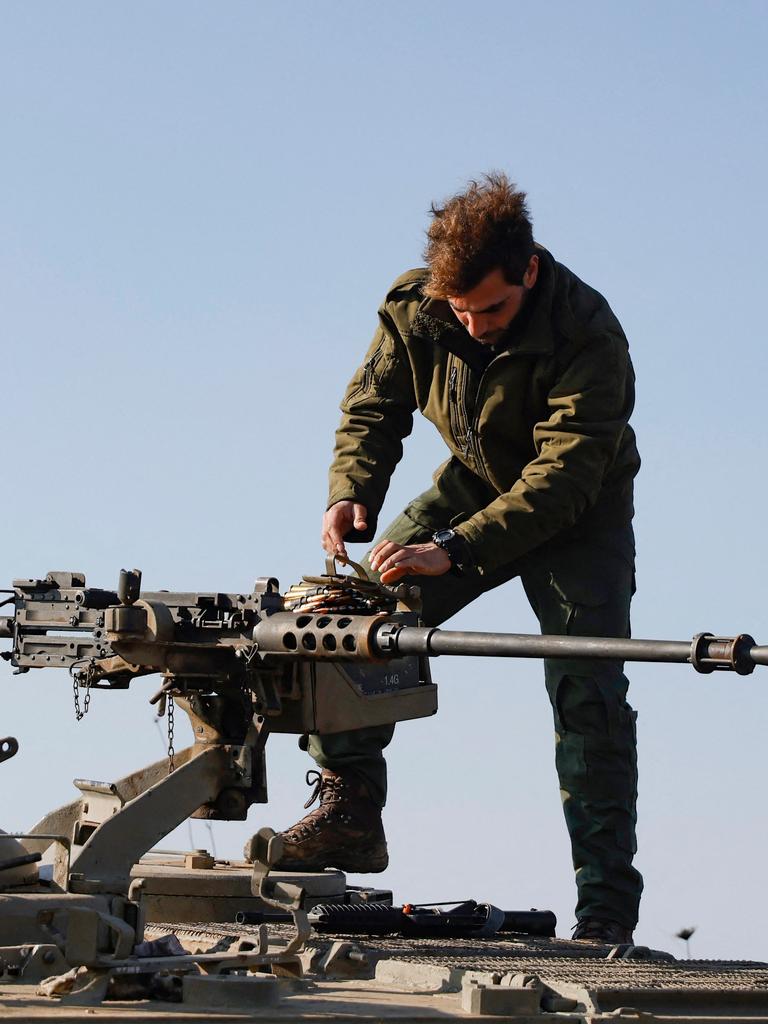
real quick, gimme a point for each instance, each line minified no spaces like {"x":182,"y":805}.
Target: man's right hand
{"x":338,"y":521}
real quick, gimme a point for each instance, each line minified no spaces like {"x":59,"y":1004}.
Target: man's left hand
{"x":394,"y":561}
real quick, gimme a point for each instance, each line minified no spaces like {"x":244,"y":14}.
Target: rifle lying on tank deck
{"x":335,"y":652}
{"x":468,"y":919}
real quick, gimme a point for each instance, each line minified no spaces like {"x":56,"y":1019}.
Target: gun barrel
{"x":705,"y":652}
{"x":434,"y":642}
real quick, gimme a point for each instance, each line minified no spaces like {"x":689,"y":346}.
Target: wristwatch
{"x":454,"y":545}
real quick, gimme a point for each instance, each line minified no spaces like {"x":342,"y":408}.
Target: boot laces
{"x":328,"y":787}
{"x":314,"y":778}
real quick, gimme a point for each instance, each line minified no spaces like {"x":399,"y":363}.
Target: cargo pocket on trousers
{"x":407,"y":529}
{"x":599,"y":794}
{"x":595,"y":601}
{"x":427,"y":518}
{"x":575,"y":588}
{"x":570,"y":761}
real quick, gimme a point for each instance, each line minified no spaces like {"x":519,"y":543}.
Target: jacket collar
{"x":435,"y":321}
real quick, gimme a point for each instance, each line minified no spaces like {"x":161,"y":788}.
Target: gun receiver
{"x":233,"y":693}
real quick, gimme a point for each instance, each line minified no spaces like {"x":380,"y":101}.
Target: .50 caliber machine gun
{"x":336,"y":652}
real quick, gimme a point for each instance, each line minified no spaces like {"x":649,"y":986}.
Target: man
{"x":525,"y":372}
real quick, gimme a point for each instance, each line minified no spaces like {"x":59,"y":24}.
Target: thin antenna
{"x":209,"y":826}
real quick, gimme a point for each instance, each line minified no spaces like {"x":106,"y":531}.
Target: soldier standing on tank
{"x":525,"y":372}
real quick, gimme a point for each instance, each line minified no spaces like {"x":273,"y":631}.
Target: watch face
{"x":443,"y":536}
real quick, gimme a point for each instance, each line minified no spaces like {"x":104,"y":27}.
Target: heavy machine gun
{"x":335,"y":652}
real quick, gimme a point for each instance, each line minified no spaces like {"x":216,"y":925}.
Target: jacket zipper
{"x":453,"y":404}
{"x":463,"y":431}
{"x":472,"y":440}
{"x":368,"y":370}
{"x":467,"y":442}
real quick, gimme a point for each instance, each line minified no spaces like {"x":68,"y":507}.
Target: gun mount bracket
{"x":264,"y":850}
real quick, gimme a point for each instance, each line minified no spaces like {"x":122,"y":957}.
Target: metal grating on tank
{"x":599,"y":973}
{"x":571,"y":963}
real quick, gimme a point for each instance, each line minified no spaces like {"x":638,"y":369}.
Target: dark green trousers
{"x":581,"y":587}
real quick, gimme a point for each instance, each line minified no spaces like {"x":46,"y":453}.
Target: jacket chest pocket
{"x":458,"y":406}
{"x":373,"y":373}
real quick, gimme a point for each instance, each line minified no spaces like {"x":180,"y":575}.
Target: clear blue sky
{"x":202,"y":205}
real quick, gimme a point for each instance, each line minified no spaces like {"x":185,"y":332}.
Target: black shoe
{"x":609,"y":933}
{"x":344,"y":832}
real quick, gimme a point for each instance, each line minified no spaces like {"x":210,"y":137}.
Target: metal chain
{"x":169,"y":720}
{"x":76,"y":676}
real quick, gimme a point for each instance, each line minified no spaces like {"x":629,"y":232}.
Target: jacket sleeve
{"x":377,"y":414}
{"x":589,"y":407}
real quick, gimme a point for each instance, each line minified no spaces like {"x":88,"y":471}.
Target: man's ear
{"x":531,"y":272}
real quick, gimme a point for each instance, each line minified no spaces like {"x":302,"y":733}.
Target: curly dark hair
{"x":485,"y":227}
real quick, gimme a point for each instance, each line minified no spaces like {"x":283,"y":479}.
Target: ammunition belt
{"x":337,"y":594}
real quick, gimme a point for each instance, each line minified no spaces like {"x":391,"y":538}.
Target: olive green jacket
{"x":539,"y":440}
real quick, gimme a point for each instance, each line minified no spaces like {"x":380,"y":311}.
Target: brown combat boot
{"x":344,"y":832}
{"x":610,"y":933}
